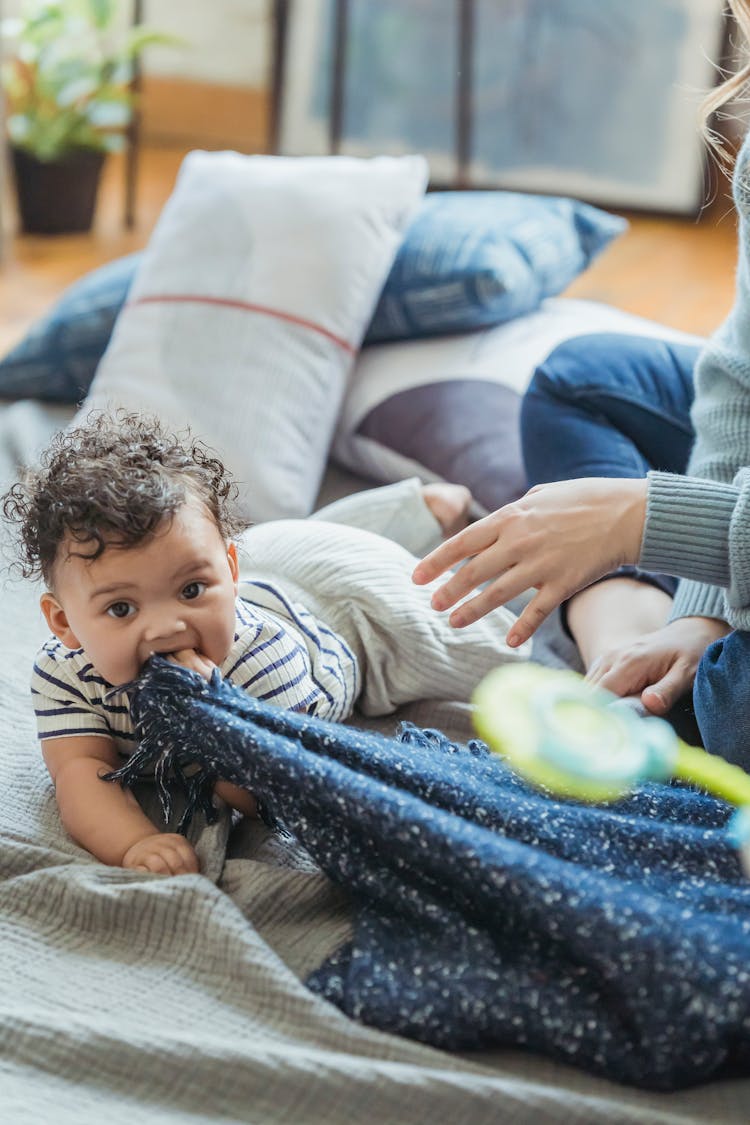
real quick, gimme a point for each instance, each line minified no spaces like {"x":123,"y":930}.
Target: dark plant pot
{"x":57,"y":196}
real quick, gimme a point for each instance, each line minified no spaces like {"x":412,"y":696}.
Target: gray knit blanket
{"x":128,"y":997}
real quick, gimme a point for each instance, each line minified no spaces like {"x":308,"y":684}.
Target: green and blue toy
{"x":563,"y":734}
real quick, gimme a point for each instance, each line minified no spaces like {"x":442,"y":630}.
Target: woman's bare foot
{"x":449,"y":504}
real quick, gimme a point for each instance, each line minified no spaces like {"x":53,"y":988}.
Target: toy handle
{"x":712,"y":774}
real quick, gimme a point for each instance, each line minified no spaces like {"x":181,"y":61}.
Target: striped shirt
{"x":280,"y":653}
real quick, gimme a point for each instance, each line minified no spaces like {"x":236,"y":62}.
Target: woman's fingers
{"x":482,"y":568}
{"x":513,"y":583}
{"x":497,"y":594}
{"x":659,"y":677}
{"x":654,"y":701}
{"x":662,"y":695}
{"x":623,"y":679}
{"x":626,"y":671}
{"x":532,"y":616}
{"x":473,"y":539}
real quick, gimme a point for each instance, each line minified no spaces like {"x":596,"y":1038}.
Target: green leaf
{"x":102,"y":12}
{"x":121,"y":73}
{"x":46,"y":24}
{"x":67,"y":75}
{"x":76,"y":90}
{"x":19,"y":127}
{"x":108,"y":115}
{"x":11,"y":28}
{"x":141,"y":37}
{"x":114,"y":142}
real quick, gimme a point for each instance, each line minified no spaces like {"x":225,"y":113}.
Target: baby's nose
{"x":163,"y":626}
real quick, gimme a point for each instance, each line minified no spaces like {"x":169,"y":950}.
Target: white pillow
{"x":250,"y":305}
{"x":448,"y":407}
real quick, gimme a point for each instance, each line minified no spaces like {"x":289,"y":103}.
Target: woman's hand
{"x":659,"y":666}
{"x":558,"y":538}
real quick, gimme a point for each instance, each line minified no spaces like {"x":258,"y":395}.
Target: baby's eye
{"x":120,"y":609}
{"x":193,"y":590}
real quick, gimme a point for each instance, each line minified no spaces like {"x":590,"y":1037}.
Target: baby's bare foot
{"x":449,"y":504}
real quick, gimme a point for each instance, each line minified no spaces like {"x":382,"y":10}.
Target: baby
{"x":134,"y":533}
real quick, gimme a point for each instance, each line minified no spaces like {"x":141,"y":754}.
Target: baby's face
{"x":173,"y":592}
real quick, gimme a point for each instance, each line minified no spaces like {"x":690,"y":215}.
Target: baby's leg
{"x":359,"y":584}
{"x":414,"y":515}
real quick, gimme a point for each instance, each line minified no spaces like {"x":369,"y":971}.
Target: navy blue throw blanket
{"x":616,"y":939}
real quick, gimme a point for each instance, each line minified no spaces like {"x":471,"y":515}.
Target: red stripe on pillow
{"x":245,"y":306}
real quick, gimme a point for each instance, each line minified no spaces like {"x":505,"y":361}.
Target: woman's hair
{"x":111,"y":482}
{"x":733,"y":85}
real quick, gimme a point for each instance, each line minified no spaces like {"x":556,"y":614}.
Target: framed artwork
{"x":592,"y":98}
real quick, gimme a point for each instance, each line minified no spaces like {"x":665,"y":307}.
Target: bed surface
{"x":181,"y":999}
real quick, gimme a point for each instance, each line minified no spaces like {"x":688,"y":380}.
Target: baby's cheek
{"x":218,"y":641}
{"x":120,"y":674}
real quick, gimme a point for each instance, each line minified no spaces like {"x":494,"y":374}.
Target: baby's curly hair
{"x":111,"y":482}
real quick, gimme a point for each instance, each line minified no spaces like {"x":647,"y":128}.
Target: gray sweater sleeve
{"x":700,"y":530}
{"x":698,"y":526}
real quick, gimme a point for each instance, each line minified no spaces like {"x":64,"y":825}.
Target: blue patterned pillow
{"x":469,"y":260}
{"x":56,"y":361}
{"x":478,"y":258}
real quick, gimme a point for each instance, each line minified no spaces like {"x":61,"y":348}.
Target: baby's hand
{"x":165,"y":853}
{"x":194,"y":660}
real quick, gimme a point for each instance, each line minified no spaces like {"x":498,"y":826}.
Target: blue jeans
{"x":615,"y":405}
{"x":721,"y":698}
{"x":609,"y":406}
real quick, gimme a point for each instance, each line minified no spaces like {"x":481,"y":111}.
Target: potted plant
{"x":68,"y":80}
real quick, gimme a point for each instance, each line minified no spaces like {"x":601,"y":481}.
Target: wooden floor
{"x":679,"y":272}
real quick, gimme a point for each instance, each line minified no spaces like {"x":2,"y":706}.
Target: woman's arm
{"x":721,"y":420}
